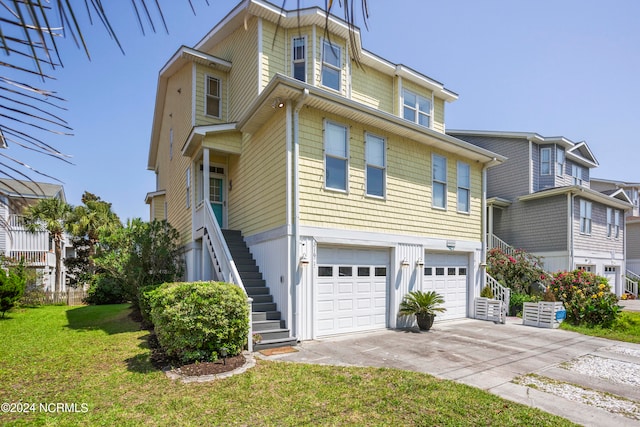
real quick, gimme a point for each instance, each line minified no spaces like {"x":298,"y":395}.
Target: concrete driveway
{"x":490,"y":356}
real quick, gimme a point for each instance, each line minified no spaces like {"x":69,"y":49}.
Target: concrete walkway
{"x":489,"y":356}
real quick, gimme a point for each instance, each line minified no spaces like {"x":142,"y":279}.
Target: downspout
{"x":570,"y":203}
{"x":289,"y":205}
{"x":483,"y":255}
{"x":296,"y":209}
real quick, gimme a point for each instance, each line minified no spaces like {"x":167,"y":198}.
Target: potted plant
{"x":424,"y":305}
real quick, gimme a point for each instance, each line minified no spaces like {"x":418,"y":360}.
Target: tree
{"x":30,"y":31}
{"x":87,"y":223}
{"x":12,"y":284}
{"x":141,"y":254}
{"x":50,"y":215}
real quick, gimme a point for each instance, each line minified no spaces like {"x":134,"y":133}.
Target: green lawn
{"x":97,"y":358}
{"x":626,"y":328}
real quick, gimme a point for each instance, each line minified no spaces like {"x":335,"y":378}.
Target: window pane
{"x":428,"y":271}
{"x":375,"y":181}
{"x":336,"y":140}
{"x":331,"y":54}
{"x":439,"y":168}
{"x":462,"y":271}
{"x":325,"y":271}
{"x":409,"y":99}
{"x":451,"y":271}
{"x":364,"y":271}
{"x":424,"y":105}
{"x":298,"y":48}
{"x":336,"y":173}
{"x":463,"y":200}
{"x":424,"y":120}
{"x":439,"y":271}
{"x":345,"y":271}
{"x":381,"y":271}
{"x":409,"y":114}
{"x":439,"y":194}
{"x":375,"y":150}
{"x":464,"y":179}
{"x":213,"y":86}
{"x":299,"y":71}
{"x":331,"y":78}
{"x":213,"y":107}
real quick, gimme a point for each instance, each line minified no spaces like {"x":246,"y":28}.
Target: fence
{"x":72,"y":297}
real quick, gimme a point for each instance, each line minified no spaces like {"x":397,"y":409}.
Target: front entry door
{"x":216,"y":195}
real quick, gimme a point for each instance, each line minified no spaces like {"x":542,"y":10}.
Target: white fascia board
{"x":416,"y":77}
{"x":584,"y":192}
{"x":530,"y":136}
{"x":617,"y":183}
{"x":591,"y":159}
{"x":152,"y":194}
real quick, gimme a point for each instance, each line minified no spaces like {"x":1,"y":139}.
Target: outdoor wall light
{"x":277,"y":103}
{"x":405,"y":263}
{"x":223,"y":354}
{"x":304,"y":260}
{"x":419,"y":262}
{"x":451,"y":244}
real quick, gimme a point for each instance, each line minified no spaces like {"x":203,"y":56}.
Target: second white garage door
{"x":351,"y":290}
{"x":447,"y":274}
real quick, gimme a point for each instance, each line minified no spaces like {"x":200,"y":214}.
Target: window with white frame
{"x":576,"y":173}
{"x":299,"y":58}
{"x":417,"y":108}
{"x":545,"y":161}
{"x":188,"y":186}
{"x":585,"y":217}
{"x":616,"y":223}
{"x":212,"y":103}
{"x":464,"y":187}
{"x":335,"y":158}
{"x":439,"y":181}
{"x":376,"y":165}
{"x":331,"y":65}
{"x":559,"y":161}
{"x":609,"y":222}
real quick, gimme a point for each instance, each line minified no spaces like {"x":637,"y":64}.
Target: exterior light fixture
{"x":451,"y":244}
{"x":405,"y":263}
{"x":277,"y":103}
{"x":223,"y":354}
{"x":419,"y":262}
{"x":304,"y":260}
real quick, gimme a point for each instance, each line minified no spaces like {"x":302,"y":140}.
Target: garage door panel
{"x":358,"y":290}
{"x":447,"y":275}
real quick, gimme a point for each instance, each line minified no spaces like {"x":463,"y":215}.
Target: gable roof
{"x":31,"y":189}
{"x":578,"y":152}
{"x":616,"y":183}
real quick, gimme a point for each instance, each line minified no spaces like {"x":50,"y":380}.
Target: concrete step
{"x":273,"y":334}
{"x":266,"y":325}
{"x":275,"y":343}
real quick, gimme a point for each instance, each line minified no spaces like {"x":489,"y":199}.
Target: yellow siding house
{"x":327,"y":189}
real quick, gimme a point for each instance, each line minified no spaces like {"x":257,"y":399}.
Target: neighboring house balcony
{"x":35,"y":249}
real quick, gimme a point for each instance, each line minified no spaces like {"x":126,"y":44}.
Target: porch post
{"x":205,"y":176}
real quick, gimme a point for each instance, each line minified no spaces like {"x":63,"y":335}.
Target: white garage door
{"x":447,"y":274}
{"x":351,"y":290}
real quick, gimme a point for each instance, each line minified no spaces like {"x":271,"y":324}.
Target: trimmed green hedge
{"x":194,"y":321}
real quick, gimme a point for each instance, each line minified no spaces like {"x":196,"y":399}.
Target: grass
{"x":98,"y":358}
{"x":626,"y":328}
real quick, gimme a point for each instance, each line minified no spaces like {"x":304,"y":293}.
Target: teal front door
{"x":216,"y":194}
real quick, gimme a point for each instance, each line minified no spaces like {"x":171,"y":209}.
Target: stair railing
{"x":631,"y":283}
{"x":501,"y":293}
{"x":496,"y":242}
{"x":221,"y":257}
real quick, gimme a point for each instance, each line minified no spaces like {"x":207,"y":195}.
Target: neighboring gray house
{"x":541,"y":200}
{"x":632,"y":219}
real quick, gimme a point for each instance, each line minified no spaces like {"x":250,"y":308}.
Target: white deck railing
{"x":500,"y":293}
{"x":34,"y":248}
{"x":223,"y":263}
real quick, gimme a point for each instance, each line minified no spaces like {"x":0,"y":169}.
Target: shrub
{"x":12,"y":283}
{"x":486,"y":292}
{"x":193,"y":321}
{"x":521,"y":271}
{"x":587,"y":298}
{"x":105,"y":290}
{"x":517,"y":300}
{"x":144,"y":302}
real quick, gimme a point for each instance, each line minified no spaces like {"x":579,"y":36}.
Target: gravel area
{"x":608,"y":402}
{"x":623,"y":350}
{"x":612,"y":370}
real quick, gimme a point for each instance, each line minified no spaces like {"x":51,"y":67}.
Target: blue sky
{"x":559,"y":68}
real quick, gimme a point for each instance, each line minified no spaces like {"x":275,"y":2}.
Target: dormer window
{"x":212,"y":104}
{"x":299,"y":58}
{"x":545,"y":161}
{"x":331,"y":65}
{"x":417,"y":108}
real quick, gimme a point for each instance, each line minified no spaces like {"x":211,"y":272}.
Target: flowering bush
{"x":587,"y":298}
{"x":519,"y":271}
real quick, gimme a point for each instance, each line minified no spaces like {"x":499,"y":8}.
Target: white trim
{"x":383,"y":168}
{"x":260,"y":54}
{"x":339,"y":69}
{"x":548,"y":162}
{"x":194,"y":93}
{"x":346,"y":158}
{"x":208,"y":76}
{"x":458,"y":187}
{"x":445,"y":182}
{"x":306,"y":56}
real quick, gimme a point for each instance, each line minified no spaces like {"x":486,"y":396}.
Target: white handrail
{"x":633,"y":275}
{"x":221,"y":250}
{"x":501,"y":293}
{"x":631,"y":286}
{"x":496,"y":242}
{"x":221,"y":255}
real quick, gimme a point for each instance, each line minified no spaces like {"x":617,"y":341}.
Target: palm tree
{"x":50,"y":215}
{"x":28,"y":33}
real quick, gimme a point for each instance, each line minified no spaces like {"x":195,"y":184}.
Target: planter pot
{"x":425,"y":321}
